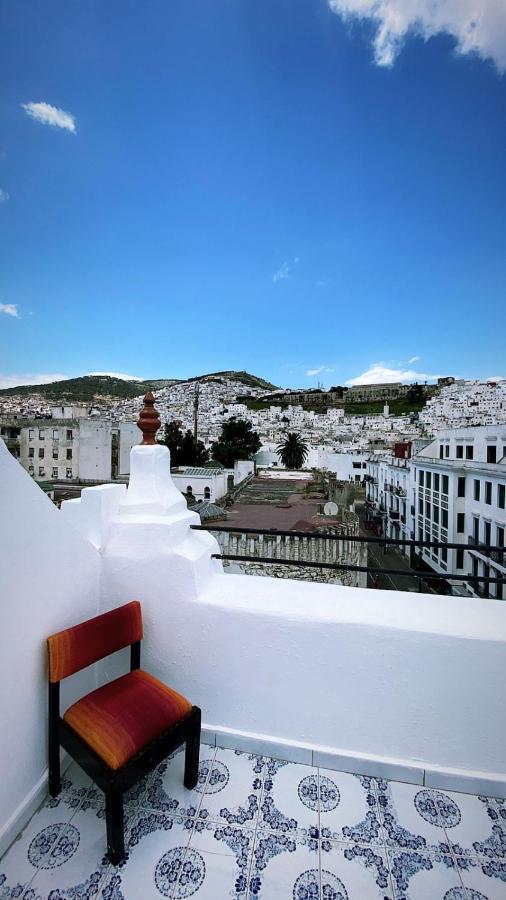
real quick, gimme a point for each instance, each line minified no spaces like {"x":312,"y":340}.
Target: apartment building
{"x":70,"y":446}
{"x":459,"y":483}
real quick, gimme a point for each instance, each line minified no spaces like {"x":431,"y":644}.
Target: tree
{"x":236,"y":441}
{"x":183,"y":451}
{"x":292,"y":451}
{"x":415,"y":392}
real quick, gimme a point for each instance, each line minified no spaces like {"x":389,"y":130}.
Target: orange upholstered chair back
{"x":83,"y":644}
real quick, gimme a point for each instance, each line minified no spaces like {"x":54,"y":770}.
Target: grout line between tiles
{"x":195,"y":819}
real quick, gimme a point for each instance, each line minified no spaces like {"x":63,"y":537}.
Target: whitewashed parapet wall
{"x":49,"y":579}
{"x":381,"y":682}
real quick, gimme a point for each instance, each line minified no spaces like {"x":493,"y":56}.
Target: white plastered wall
{"x":49,"y":579}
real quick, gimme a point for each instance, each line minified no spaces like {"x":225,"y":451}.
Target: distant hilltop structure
{"x":363,"y":393}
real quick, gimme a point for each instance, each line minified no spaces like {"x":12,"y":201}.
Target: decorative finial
{"x":149,"y":420}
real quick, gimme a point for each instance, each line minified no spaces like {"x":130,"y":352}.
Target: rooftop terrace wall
{"x":49,"y":579}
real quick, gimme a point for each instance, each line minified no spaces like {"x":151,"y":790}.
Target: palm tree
{"x":292,"y":451}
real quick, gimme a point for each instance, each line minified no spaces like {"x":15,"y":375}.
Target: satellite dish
{"x":330,"y":508}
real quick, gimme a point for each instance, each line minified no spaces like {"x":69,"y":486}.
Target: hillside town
{"x":398,"y":473}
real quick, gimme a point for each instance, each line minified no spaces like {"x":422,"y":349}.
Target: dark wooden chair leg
{"x":191,"y":763}
{"x":115,"y":827}
{"x":54,"y":742}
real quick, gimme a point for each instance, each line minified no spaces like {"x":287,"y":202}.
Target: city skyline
{"x":274,"y":188}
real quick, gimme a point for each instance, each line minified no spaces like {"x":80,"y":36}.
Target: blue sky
{"x":271,"y":185}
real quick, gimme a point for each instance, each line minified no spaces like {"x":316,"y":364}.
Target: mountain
{"x":88,"y":388}
{"x":95,"y":387}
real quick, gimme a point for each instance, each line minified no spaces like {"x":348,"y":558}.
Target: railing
{"x":384,"y":542}
{"x":497,"y":554}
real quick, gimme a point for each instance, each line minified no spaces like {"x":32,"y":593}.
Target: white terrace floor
{"x":260,"y":828}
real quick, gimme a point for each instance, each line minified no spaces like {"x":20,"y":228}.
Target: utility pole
{"x":196,"y":412}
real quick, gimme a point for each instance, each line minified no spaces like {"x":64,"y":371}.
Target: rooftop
{"x":258,"y":827}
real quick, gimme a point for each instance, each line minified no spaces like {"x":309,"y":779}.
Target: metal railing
{"x":385,"y":542}
{"x":497,"y":554}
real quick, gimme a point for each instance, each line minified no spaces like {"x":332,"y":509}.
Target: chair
{"x":120,"y":731}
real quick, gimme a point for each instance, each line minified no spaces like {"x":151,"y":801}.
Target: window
{"x":41,"y":452}
{"x":461,"y":486}
{"x":207,"y":493}
{"x":435,"y":513}
{"x":420,"y":506}
{"x":501,"y":491}
{"x":56,"y":434}
{"x":356,"y":465}
{"x":444,"y":554}
{"x":420,"y":477}
{"x":436,"y":481}
{"x":476,"y":488}
{"x":444,"y":481}
{"x":441,"y":451}
{"x":189,"y":489}
{"x":427,"y":509}
{"x":444,"y":518}
{"x":420,"y":533}
{"x":447,"y":450}
{"x":69,"y":454}
{"x":500,"y":536}
{"x":55,"y":472}
{"x":42,"y":470}
{"x":31,"y":434}
{"x":460,"y":451}
{"x":31,"y":452}
{"x":69,"y":434}
{"x":491,"y":453}
{"x":69,"y":473}
{"x":55,"y":453}
{"x":428,"y":479}
{"x":460,"y":558}
{"x":487,"y":533}
{"x":461,"y":523}
{"x":41,"y":434}
{"x":488,"y":493}
{"x":476,"y":529}
{"x":470,"y":452}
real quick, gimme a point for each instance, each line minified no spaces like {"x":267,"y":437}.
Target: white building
{"x":459,"y":481}
{"x":78,"y":448}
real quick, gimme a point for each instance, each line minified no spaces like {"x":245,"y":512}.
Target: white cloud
{"x":9,"y":309}
{"x":285,"y":270}
{"x":50,"y":115}
{"x":478,"y":26}
{"x":311,"y":372}
{"x":380,"y":374}
{"x":118,"y":375}
{"x":413,"y":359}
{"x":10,"y":381}
{"x":4,"y":196}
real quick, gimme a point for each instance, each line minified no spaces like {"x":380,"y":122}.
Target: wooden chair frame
{"x":114,"y":782}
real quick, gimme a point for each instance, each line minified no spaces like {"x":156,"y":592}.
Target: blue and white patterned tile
{"x":156,"y":848}
{"x":39,"y":845}
{"x":481,"y":830}
{"x":290,"y":798}
{"x":233,"y":789}
{"x":423,"y":874}
{"x":355,"y":872}
{"x":349,"y":808}
{"x":165,"y":791}
{"x":210,"y":839}
{"x":414,"y":817}
{"x":484,"y":879}
{"x":78,"y":864}
{"x":284,"y":867}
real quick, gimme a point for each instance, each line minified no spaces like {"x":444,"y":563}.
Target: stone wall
{"x":296,"y":549}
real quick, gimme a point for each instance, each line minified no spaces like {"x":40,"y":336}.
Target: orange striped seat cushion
{"x":122,"y":717}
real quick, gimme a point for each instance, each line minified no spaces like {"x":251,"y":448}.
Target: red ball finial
{"x":149,"y":420}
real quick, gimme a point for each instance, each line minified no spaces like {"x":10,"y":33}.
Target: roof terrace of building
{"x":308,"y":681}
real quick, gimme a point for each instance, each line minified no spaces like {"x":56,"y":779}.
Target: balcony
{"x":308,"y":681}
